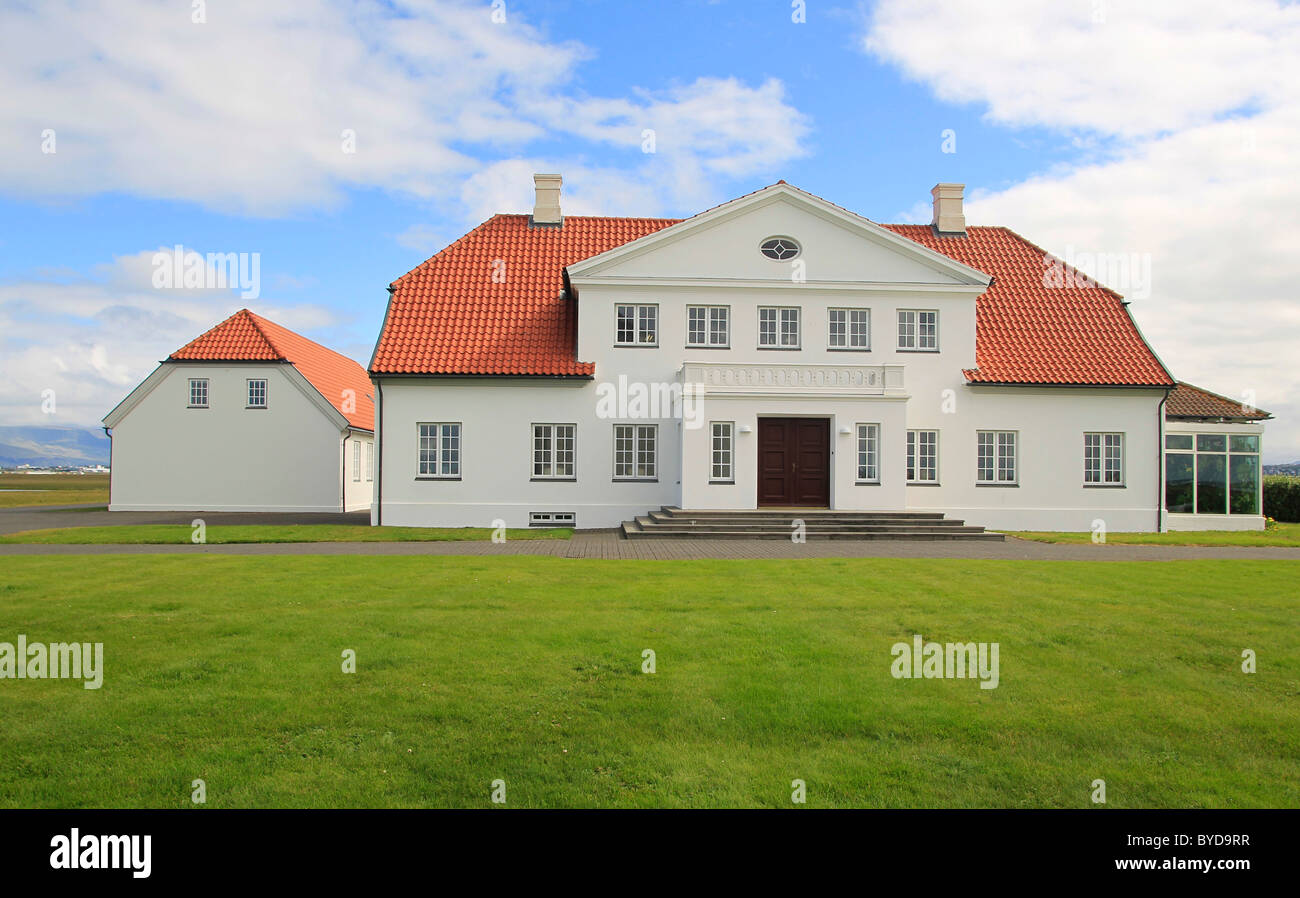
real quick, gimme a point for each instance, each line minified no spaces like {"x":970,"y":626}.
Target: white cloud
{"x":656,"y":188}
{"x":1197,"y":108}
{"x":247,"y":112}
{"x":422,"y":238}
{"x":1104,"y":65}
{"x":91,"y":340}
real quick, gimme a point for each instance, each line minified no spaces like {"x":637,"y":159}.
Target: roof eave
{"x":1220,"y":419}
{"x":374,"y":375}
{"x":1075,"y":384}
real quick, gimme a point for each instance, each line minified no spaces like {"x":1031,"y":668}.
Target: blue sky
{"x":1073,"y":124}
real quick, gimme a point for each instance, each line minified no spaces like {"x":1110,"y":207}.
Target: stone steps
{"x":818,"y":524}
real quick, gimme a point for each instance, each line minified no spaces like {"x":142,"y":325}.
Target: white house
{"x":249,"y":416}
{"x":776,"y":351}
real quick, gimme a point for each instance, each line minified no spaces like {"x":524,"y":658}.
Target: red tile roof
{"x":245,"y":337}
{"x":1187,"y":401}
{"x":449,"y":316}
{"x":491,"y":302}
{"x":1026,"y":332}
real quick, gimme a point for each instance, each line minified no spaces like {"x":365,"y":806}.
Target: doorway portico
{"x":768,"y":435}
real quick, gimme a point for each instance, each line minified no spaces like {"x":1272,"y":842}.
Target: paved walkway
{"x":46,"y":517}
{"x":604,"y":544}
{"x":607,"y":545}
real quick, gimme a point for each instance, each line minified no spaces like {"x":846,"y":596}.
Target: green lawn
{"x":472,"y":669}
{"x":1278,"y":534}
{"x":52,"y":489}
{"x":263,"y":533}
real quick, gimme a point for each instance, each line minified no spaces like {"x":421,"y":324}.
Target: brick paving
{"x":13,"y":520}
{"x":608,"y":546}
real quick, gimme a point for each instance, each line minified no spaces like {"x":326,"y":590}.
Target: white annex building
{"x":249,"y":416}
{"x":780,"y":352}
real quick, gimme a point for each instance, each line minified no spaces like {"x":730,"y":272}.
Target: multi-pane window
{"x":849,"y":329}
{"x":918,"y":329}
{"x":356,"y":461}
{"x":1212,"y":473}
{"x":635,"y":448}
{"x":1103,"y":459}
{"x":778,"y":328}
{"x":369,"y":463}
{"x":923,"y":456}
{"x":257,"y":393}
{"x":553,"y":450}
{"x":722,"y":447}
{"x":868,"y":453}
{"x":637,"y":325}
{"x":198,"y":392}
{"x":996,"y":458}
{"x":439,"y":450}
{"x":707,"y":326}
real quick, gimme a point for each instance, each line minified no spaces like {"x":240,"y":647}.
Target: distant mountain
{"x":52,"y":446}
{"x":1293,"y":469}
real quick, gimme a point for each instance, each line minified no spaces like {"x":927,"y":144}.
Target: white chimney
{"x":948,"y":217}
{"x":546,"y":208}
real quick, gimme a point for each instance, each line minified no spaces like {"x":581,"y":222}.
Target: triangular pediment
{"x":723,"y":244}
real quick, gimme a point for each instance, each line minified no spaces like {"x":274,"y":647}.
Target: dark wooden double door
{"x":794,"y":461}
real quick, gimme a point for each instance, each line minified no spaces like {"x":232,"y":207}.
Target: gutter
{"x":108,"y":433}
{"x":379,"y":460}
{"x":434,"y":376}
{"x":1160,"y":460}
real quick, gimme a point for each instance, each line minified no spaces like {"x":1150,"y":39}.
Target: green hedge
{"x":1282,"y":498}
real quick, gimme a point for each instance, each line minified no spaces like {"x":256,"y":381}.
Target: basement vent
{"x":552,"y":518}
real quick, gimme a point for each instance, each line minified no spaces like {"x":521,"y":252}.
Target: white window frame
{"x":781,"y":316}
{"x":715,"y":337}
{"x":645,"y":322}
{"x":446,"y":446}
{"x":631,"y":440}
{"x":722,"y":452}
{"x":848,"y":324}
{"x":369,"y":464}
{"x":916,"y":457}
{"x":1103,"y":456}
{"x":356,"y":461}
{"x":867,"y":453}
{"x":998,"y":440}
{"x":546,"y":451}
{"x":198,"y":385}
{"x":910,"y":324}
{"x":265,"y":391}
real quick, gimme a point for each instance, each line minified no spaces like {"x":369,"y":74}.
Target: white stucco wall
{"x":496,"y":459}
{"x":496,"y":417}
{"x":1050,"y":423}
{"x":226,"y":457}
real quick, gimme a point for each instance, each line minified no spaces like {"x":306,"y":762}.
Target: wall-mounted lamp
{"x":745,"y":428}
{"x":845,"y":430}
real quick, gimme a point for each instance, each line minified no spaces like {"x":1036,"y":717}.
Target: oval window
{"x":782,"y":249}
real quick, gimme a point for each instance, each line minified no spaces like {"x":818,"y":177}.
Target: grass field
{"x":263,"y":533}
{"x":1278,"y":534}
{"x":529,"y":670}
{"x":52,"y":489}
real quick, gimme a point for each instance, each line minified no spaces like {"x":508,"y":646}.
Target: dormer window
{"x":779,"y":249}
